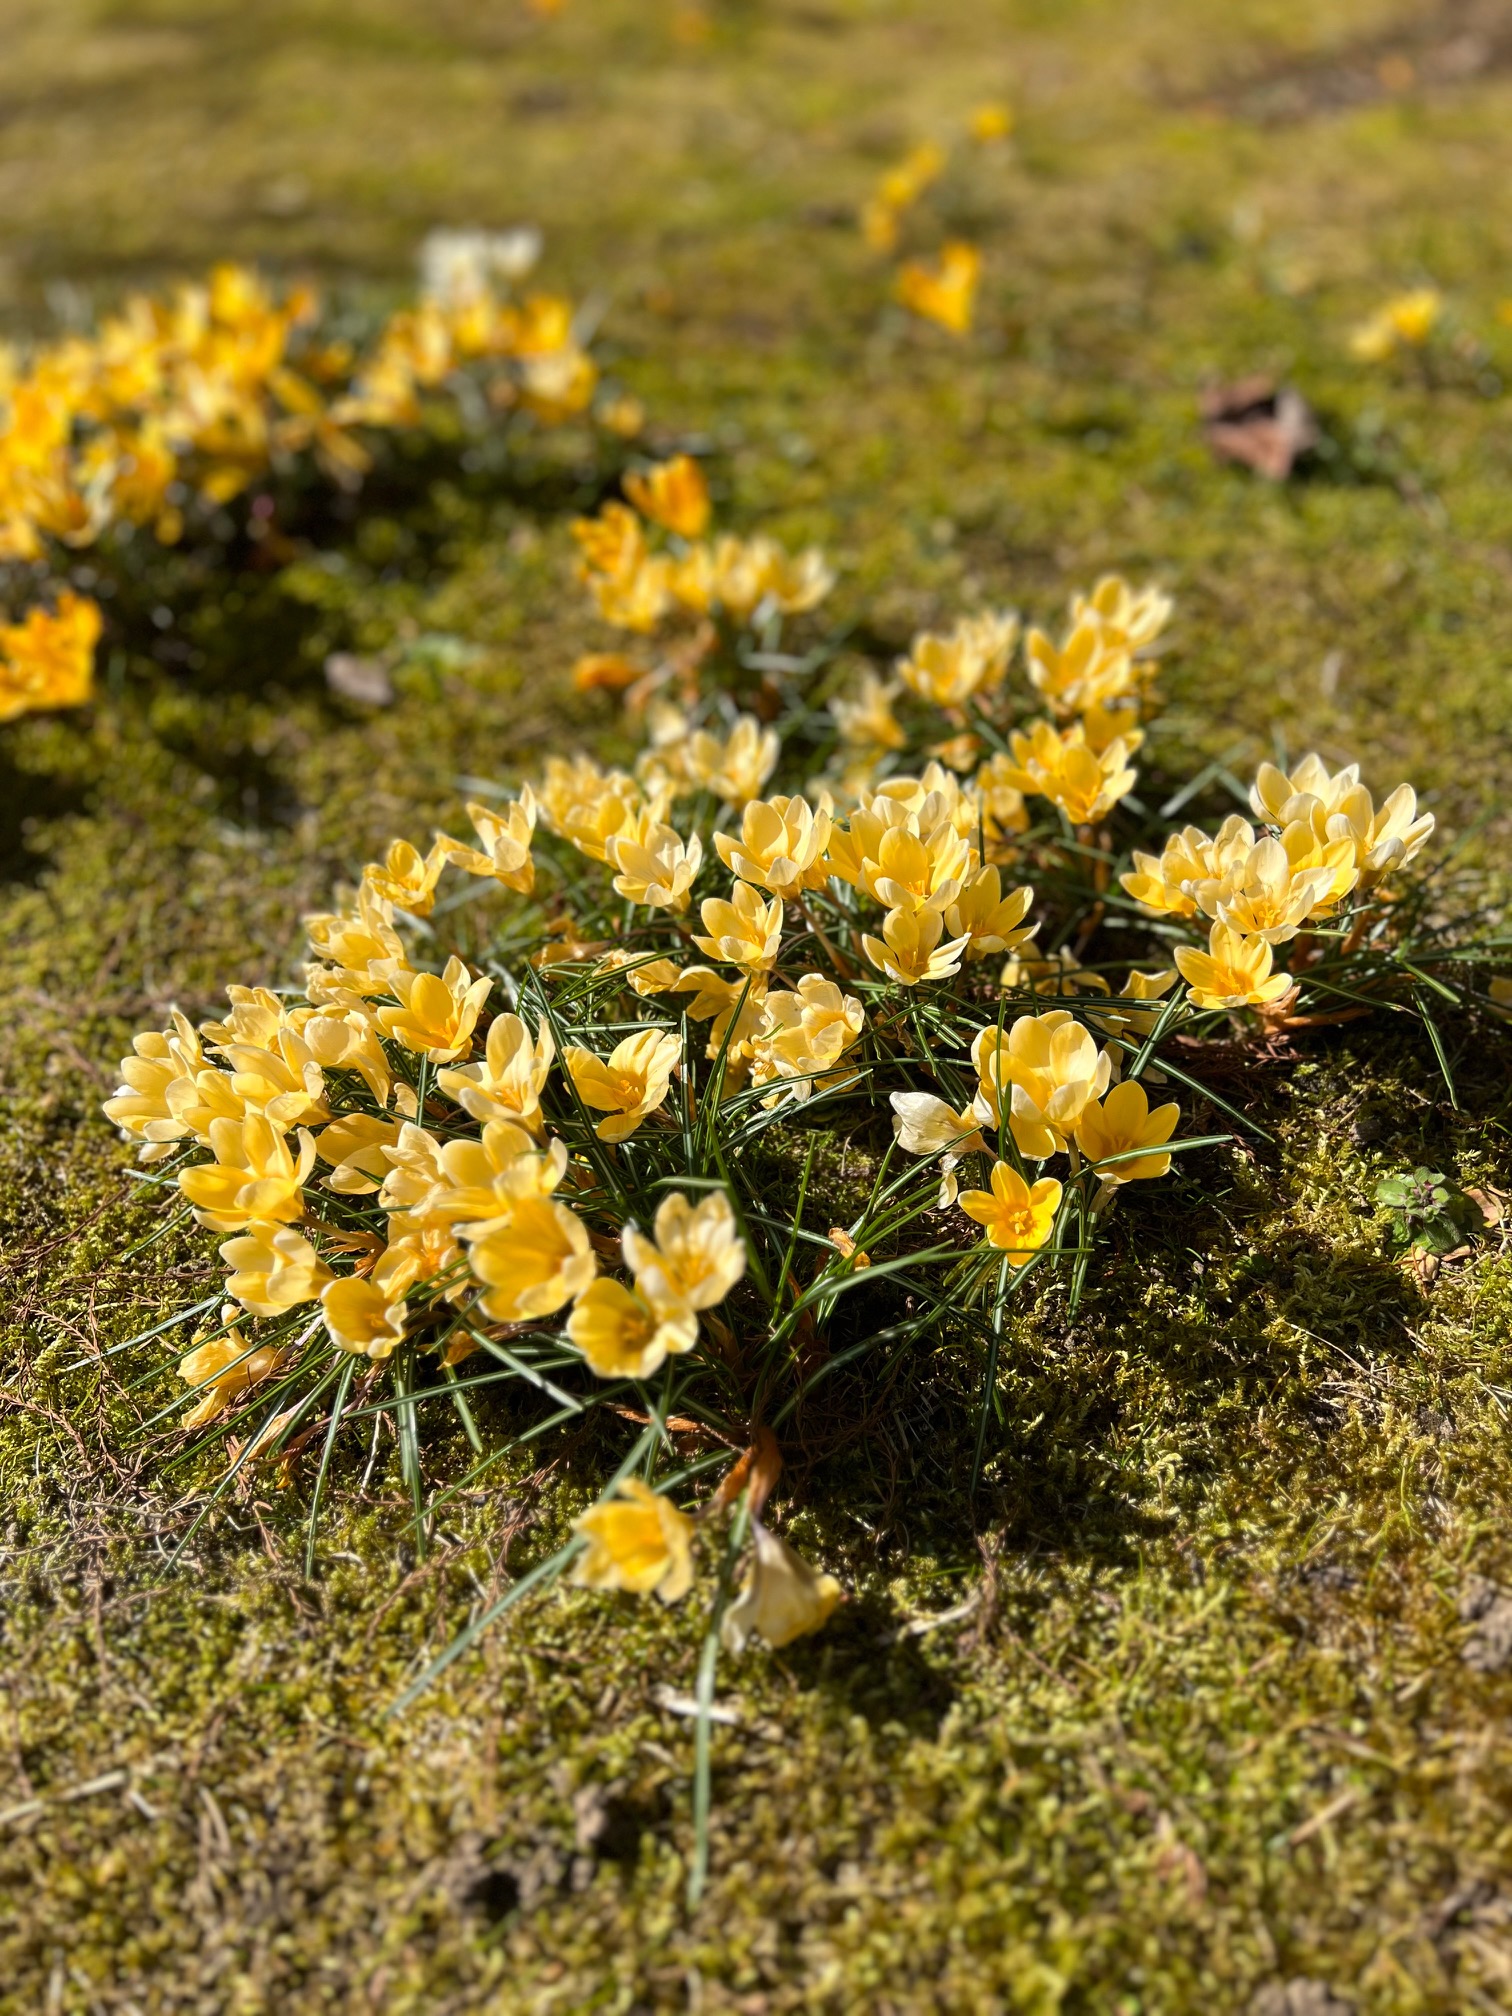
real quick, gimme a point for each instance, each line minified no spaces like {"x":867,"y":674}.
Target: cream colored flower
{"x":585,"y":805}
{"x":1001,"y":802}
{"x":361,"y":946}
{"x":913,"y":870}
{"x":926,"y":1125}
{"x":1166,"y":884}
{"x":783,"y":1598}
{"x":1264,"y":896}
{"x":482,"y":1181}
{"x":346,"y":1039}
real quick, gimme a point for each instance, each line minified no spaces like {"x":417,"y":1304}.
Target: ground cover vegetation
{"x":1166,"y":1500}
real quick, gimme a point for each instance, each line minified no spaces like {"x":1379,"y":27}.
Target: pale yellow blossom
{"x":506,"y":1084}
{"x":693,"y":1258}
{"x":622,"y":1336}
{"x":436,"y":1014}
{"x":628,"y":1085}
{"x":783,"y":1597}
{"x":639,"y":1542}
{"x":910,"y":949}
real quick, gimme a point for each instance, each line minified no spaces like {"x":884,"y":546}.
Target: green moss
{"x":1208,"y":1724}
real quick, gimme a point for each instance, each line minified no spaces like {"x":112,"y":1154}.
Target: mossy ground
{"x":1208,"y":1726}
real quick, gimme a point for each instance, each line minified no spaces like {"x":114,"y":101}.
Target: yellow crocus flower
{"x":1040,"y":1076}
{"x":1092,"y":668}
{"x":804,"y":1036}
{"x":1405,"y":322}
{"x":990,"y":121}
{"x":507,"y":1083}
{"x":47,"y":659}
{"x":865,"y":715}
{"x":534,"y":1262}
{"x":970,"y":660}
{"x":221,"y":1369}
{"x":407,"y":878}
{"x":273,"y":1268}
{"x":987,"y":918}
{"x":780,"y":847}
{"x":737,"y":767}
{"x":1084,"y":783}
{"x":673,"y":494}
{"x":909,"y":950}
{"x":946,"y":292}
{"x":357,"y":1147}
{"x":1016,"y":1217}
{"x":436,"y":1014}
{"x":254,"y":1180}
{"x":745,"y":931}
{"x":361,"y":1318}
{"x":141,"y":1105}
{"x":1234,"y":972}
{"x":628,"y":1085}
{"x":1122,"y":1123}
{"x":505,"y":843}
{"x":1130,"y":617}
{"x":585,"y":805}
{"x":693,"y":1257}
{"x":622,"y":1336}
{"x":639,"y":1542}
{"x":653,"y":864}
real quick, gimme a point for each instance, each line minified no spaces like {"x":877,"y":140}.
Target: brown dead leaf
{"x":1488,"y":1205}
{"x":1255,"y":422}
{"x":760,"y":1467}
{"x":1425,"y":1266}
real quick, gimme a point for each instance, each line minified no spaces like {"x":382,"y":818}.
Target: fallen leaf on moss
{"x":1255,"y":422}
{"x":362,"y":679}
